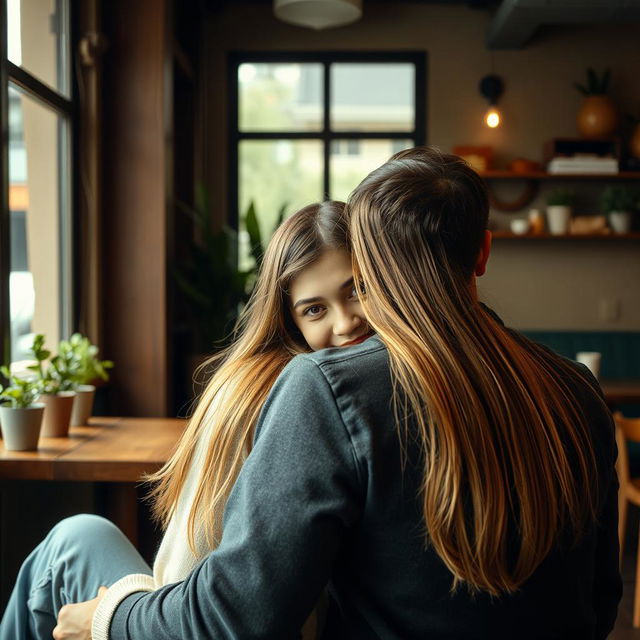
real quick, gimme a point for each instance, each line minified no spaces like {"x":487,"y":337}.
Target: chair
{"x":628,"y":429}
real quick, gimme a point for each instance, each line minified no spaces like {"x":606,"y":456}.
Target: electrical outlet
{"x":610,"y":309}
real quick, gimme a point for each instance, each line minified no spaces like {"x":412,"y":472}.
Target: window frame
{"x":325,"y":135}
{"x":65,"y":109}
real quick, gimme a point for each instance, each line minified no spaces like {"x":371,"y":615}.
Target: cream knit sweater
{"x":174,"y":560}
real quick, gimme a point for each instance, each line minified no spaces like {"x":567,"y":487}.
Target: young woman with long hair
{"x":304,"y":300}
{"x":448,"y":477}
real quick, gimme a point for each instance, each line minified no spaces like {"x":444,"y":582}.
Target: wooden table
{"x":115,"y":450}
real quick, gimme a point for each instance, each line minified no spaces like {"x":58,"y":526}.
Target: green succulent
{"x":560,"y":197}
{"x":82,"y":359}
{"x":618,"y":198}
{"x":21,"y":393}
{"x":597,"y":85}
{"x":48,"y":378}
{"x":75,"y":363}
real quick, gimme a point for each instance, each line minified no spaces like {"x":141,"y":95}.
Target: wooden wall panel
{"x":137,"y":189}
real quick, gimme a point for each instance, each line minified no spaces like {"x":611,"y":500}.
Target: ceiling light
{"x":318,"y":14}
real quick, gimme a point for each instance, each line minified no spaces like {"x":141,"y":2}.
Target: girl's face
{"x":324,"y":303}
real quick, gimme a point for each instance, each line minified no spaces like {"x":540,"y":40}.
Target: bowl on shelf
{"x":519,"y":227}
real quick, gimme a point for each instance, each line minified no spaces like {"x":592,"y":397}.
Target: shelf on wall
{"x":507,"y":235}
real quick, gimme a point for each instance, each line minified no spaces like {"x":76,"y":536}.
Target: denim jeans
{"x":79,"y":555}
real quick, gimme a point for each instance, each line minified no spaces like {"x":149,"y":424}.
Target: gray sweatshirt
{"x":323,"y":499}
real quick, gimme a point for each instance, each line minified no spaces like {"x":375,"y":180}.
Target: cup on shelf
{"x":591,"y":359}
{"x":519,"y":227}
{"x":558,"y":217}
{"x":536,"y":220}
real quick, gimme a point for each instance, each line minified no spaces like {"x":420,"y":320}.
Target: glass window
{"x":372,"y":97}
{"x":312,"y":126}
{"x":34,"y":203}
{"x":37,"y":40}
{"x":280,"y":97}
{"x":277,"y":174}
{"x":36,"y":229}
{"x":348,"y":170}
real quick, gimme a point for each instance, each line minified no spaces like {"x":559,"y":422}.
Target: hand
{"x":74,"y":620}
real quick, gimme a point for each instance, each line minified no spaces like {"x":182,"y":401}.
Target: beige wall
{"x":535,"y":285}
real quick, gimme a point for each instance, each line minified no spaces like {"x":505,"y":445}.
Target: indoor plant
{"x":618,"y":202}
{"x":559,"y":203}
{"x":597,"y":116}
{"x":86,"y":370}
{"x":20,"y":414}
{"x":210,"y":279}
{"x":56,"y":387}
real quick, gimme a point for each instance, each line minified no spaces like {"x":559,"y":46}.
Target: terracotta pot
{"x":57,"y":413}
{"x":82,"y":405}
{"x":634,"y":143}
{"x":597,"y":118}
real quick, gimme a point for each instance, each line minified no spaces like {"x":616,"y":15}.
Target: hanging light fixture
{"x":491,"y":87}
{"x":318,"y":14}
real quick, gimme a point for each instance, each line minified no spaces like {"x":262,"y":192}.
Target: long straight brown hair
{"x":265,"y":339}
{"x":507,"y":454}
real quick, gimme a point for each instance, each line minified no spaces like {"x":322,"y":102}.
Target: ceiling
{"x":515,"y":22}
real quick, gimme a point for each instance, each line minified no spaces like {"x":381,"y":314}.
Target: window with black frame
{"x":307,"y":127}
{"x":36,"y":226}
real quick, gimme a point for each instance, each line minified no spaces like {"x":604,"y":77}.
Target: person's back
{"x":389,"y":583}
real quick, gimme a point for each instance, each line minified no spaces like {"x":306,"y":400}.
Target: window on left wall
{"x":36,"y":228}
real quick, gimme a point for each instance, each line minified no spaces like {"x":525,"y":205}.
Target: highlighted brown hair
{"x":265,"y":339}
{"x":507,"y":453}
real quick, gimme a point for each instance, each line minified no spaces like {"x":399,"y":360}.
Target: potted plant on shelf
{"x":20,"y":414}
{"x":57,"y":383}
{"x":618,"y":202}
{"x":559,"y":203}
{"x":86,"y":370}
{"x":597,"y":117}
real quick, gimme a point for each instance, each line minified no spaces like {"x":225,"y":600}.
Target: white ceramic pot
{"x":620,"y":221}
{"x":558,"y":217}
{"x":57,"y":413}
{"x":82,"y":405}
{"x":21,"y":427}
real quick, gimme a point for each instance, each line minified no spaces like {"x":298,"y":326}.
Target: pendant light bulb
{"x":492,"y":118}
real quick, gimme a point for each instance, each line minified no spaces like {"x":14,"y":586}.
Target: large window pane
{"x":276,"y":174}
{"x":280,"y":97}
{"x":352,"y":160}
{"x":34,"y":202}
{"x":37,"y":39}
{"x":372,"y":96}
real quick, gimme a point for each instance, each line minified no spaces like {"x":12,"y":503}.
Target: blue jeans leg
{"x":78,"y":555}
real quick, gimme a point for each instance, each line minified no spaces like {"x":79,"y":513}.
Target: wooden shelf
{"x":542,"y":175}
{"x":507,"y":235}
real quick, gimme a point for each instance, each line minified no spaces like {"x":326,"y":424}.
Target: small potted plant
{"x":598,"y":117}
{"x":88,"y":371}
{"x":20,"y":414}
{"x":618,"y":202}
{"x":57,"y":382}
{"x":559,"y":203}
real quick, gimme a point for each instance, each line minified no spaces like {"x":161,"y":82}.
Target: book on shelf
{"x":582,"y":164}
